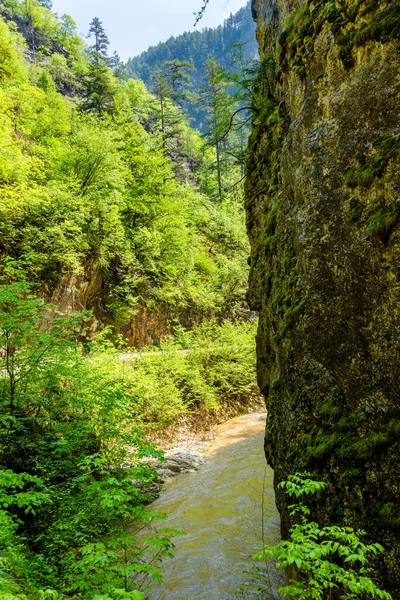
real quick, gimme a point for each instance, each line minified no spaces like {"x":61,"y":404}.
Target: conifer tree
{"x":100,"y":85}
{"x":179,"y":80}
{"x":217,"y":106}
{"x":117,"y":66}
{"x":101,"y":42}
{"x":166,"y":113}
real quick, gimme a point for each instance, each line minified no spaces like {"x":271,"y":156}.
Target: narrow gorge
{"x":132,"y":192}
{"x":323,"y":219}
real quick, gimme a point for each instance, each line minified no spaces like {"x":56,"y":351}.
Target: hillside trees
{"x":93,"y":191}
{"x":198,"y":46}
{"x":171,"y":90}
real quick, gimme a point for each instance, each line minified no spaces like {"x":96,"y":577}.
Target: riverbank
{"x":187,"y":442}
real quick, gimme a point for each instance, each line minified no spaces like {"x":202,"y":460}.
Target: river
{"x":220,"y":509}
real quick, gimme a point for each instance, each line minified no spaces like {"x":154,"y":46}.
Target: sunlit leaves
{"x":327,"y":559}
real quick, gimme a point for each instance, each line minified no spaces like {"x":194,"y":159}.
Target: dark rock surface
{"x":323,"y":217}
{"x":176,"y":462}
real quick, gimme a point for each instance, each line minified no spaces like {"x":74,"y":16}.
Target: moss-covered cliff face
{"x":324,"y":223}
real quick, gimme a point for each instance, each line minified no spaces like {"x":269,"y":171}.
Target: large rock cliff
{"x":324,"y":223}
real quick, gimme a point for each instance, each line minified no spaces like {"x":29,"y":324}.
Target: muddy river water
{"x":220,"y":509}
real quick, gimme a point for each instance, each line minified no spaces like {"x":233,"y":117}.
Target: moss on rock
{"x":322,"y":200}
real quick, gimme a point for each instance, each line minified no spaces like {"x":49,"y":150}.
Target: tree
{"x":101,"y":42}
{"x":217,"y":106}
{"x":179,"y":80}
{"x":117,"y":66}
{"x":100,"y":89}
{"x":100,"y":85}
{"x":162,"y":92}
{"x":68,"y":26}
{"x":169,"y":115}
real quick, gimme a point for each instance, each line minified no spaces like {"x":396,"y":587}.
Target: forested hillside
{"x":119,"y":224}
{"x":116,"y":205}
{"x":196,"y":47}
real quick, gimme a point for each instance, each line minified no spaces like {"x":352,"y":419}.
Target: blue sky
{"x":134,"y":25}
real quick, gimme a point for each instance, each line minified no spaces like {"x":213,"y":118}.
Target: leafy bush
{"x":209,"y":367}
{"x":329,"y":562}
{"x":71,"y":476}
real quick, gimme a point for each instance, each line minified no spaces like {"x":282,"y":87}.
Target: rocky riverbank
{"x":186,"y":442}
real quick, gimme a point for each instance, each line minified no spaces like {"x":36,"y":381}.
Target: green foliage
{"x":329,"y":561}
{"x":70,"y":453}
{"x":91,"y":186}
{"x":208,"y":367}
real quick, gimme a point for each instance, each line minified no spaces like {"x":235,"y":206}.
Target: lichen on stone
{"x":323,"y":215}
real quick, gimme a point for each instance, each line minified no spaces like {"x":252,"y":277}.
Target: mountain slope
{"x":197,"y":46}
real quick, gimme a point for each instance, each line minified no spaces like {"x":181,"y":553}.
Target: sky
{"x":134,"y":25}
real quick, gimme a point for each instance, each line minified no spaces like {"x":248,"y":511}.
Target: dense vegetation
{"x":94,"y":192}
{"x":72,"y":438}
{"x":109,"y":202}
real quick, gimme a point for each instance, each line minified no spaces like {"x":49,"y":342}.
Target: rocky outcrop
{"x":141,"y":326}
{"x":323,"y":218}
{"x":175,"y":462}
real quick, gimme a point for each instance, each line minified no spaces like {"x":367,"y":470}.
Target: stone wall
{"x":323,"y":217}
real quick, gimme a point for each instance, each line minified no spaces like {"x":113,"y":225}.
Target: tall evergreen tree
{"x":117,"y":66}
{"x":168,"y":115}
{"x":100,"y":85}
{"x":101,"y":42}
{"x":217,"y":106}
{"x":100,"y":89}
{"x":179,"y":79}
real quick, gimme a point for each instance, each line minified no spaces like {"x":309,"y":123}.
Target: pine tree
{"x":217,"y":105}
{"x":178,"y":77}
{"x":100,"y":85}
{"x":100,"y":89}
{"x":166,"y":112}
{"x":101,"y":42}
{"x":117,"y":66}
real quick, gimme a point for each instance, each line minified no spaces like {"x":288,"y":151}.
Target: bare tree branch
{"x":201,"y":12}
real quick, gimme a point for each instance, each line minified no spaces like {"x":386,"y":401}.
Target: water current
{"x":226,"y":509}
